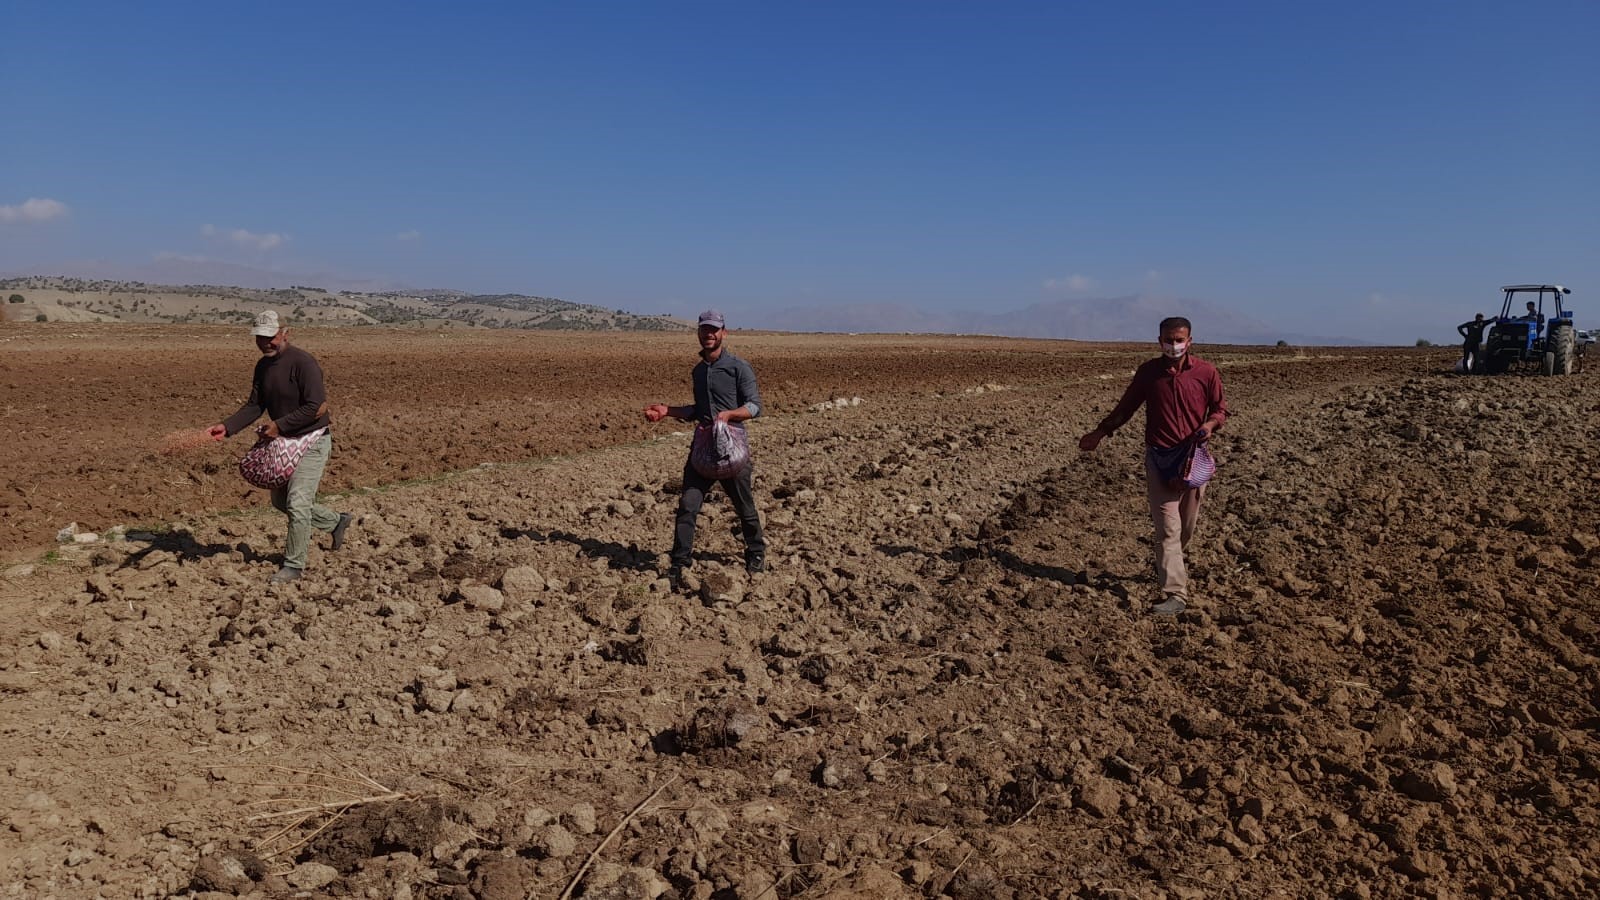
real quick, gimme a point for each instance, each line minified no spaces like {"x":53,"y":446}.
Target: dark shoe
{"x":755,"y":566}
{"x":1170,"y":606}
{"x":338,"y":530}
{"x":285,"y":574}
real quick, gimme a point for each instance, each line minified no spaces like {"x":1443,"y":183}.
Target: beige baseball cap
{"x":266,"y":324}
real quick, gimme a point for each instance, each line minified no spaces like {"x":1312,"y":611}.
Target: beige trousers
{"x":1175,"y":514}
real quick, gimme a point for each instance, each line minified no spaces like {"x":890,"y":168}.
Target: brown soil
{"x":947,"y":684}
{"x":86,"y":407}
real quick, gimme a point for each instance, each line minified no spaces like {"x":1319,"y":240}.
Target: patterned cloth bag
{"x":271,"y":462}
{"x":719,"y":450}
{"x":1189,"y":465}
{"x":1201,"y":466}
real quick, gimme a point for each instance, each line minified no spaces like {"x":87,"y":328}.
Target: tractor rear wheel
{"x":1547,"y":364}
{"x":1563,"y":345}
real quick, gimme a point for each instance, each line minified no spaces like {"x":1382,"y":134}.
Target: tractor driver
{"x":1534,"y":316}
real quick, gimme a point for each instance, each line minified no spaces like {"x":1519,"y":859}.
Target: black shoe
{"x":338,"y":530}
{"x":755,"y":566}
{"x":285,"y":574}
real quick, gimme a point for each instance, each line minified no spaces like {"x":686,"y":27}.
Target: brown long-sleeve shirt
{"x":288,"y":388}
{"x":1176,"y":403}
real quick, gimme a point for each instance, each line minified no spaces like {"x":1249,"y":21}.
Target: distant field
{"x":86,"y":405}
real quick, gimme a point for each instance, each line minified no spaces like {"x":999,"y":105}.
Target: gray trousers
{"x":743,"y":496}
{"x":298,"y":499}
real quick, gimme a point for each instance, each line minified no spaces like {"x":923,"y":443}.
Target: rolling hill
{"x":66,"y":299}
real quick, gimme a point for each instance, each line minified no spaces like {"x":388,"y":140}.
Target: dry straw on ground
{"x":359,"y":790}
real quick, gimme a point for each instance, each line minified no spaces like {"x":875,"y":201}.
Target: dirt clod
{"x":373,"y":830}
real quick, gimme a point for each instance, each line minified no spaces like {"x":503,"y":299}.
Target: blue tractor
{"x":1533,"y":336}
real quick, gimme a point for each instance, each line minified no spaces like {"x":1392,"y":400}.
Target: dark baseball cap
{"x":712,"y":317}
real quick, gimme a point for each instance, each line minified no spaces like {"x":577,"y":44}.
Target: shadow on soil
{"x":617,"y":556}
{"x":187,"y":549}
{"x":1117,"y":584}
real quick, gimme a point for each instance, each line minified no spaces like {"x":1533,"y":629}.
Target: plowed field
{"x":948,"y":683}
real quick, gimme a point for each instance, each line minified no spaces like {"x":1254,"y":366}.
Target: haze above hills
{"x":182,"y":290}
{"x":1127,"y":318}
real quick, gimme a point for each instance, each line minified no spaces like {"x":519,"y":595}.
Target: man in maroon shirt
{"x":1182,"y":397}
{"x":287,"y":386}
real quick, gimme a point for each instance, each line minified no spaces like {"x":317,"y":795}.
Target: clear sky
{"x":1374,"y":169}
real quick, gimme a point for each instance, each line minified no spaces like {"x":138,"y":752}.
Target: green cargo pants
{"x":298,"y":499}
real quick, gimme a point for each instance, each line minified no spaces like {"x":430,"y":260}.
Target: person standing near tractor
{"x":1471,"y":340}
{"x":725,"y":392}
{"x":287,"y":386}
{"x":1184,"y":406}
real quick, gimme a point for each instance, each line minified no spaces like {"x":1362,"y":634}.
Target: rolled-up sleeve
{"x":749,"y":392}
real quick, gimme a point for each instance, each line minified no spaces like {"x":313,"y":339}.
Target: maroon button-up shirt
{"x":1176,"y":402}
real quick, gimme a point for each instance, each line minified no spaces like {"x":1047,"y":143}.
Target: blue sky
{"x":1374,"y":170}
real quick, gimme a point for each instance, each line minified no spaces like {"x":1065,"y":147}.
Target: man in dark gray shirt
{"x":287,"y":386}
{"x":724,"y":390}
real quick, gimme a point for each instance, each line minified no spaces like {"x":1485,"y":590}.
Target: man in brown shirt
{"x":1182,"y":397}
{"x":287,"y":386}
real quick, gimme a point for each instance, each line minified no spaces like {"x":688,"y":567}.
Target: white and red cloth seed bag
{"x":271,"y":462}
{"x":1201,"y":466}
{"x":1188,"y":465}
{"x":719,"y":450}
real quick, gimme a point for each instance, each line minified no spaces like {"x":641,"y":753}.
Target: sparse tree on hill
{"x":1424,"y":342}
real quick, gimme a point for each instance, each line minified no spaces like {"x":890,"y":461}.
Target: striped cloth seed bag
{"x":271,"y":462}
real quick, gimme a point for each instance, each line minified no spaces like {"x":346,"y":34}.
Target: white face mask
{"x":1174,"y":350}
